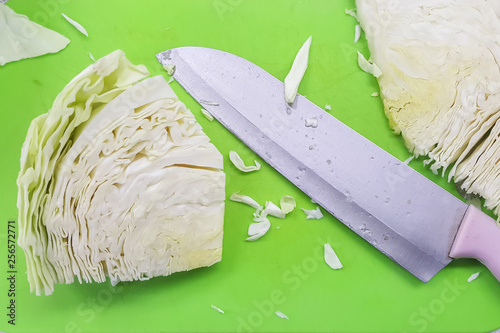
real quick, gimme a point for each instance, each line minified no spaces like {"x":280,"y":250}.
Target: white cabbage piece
{"x":170,"y":69}
{"x":246,"y":200}
{"x":118,"y":180}
{"x":311,"y":122}
{"x":314,"y":214}
{"x":240,"y":165}
{"x":367,"y":66}
{"x":261,"y":223}
{"x":299,"y":66}
{"x":259,"y":228}
{"x":281,"y":315}
{"x":331,"y":257}
{"x":204,"y":112}
{"x":270,"y":208}
{"x":351,"y":12}
{"x":357,"y":33}
{"x":441,"y":83}
{"x":217,"y":309}
{"x":287,"y":204}
{"x":77,"y":25}
{"x":473,"y":277}
{"x":21,"y":38}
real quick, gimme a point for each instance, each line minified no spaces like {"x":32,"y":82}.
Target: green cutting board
{"x":283,"y":271}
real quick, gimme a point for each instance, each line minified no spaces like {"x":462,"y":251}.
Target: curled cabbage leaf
{"x":118,"y":180}
{"x":441,"y":83}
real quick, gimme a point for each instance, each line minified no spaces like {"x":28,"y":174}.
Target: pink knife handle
{"x":478,"y":237}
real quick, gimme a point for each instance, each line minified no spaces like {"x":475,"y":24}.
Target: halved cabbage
{"x":118,"y":180}
{"x":441,"y":83}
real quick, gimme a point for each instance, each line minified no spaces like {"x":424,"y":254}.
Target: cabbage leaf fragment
{"x":473,"y":277}
{"x":246,"y":200}
{"x":77,"y":25}
{"x":287,"y":204}
{"x":281,"y":315}
{"x":370,"y":68}
{"x":240,"y":165}
{"x":331,"y":257}
{"x":259,"y":228}
{"x":299,"y":66}
{"x":261,"y":224}
{"x":314,"y":214}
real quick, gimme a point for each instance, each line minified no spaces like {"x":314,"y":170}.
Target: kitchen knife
{"x":400,"y":212}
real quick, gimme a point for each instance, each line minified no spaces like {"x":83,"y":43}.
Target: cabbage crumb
{"x":207,"y":114}
{"x":77,"y":25}
{"x":314,"y":214}
{"x":281,"y":315}
{"x":331,"y":257}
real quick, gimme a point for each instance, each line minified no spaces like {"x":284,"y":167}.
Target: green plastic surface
{"x":283,"y":271}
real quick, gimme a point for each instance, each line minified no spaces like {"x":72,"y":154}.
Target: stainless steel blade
{"x":399,"y":211}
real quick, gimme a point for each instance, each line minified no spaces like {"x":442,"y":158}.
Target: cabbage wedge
{"x":118,"y":180}
{"x":440,"y":84}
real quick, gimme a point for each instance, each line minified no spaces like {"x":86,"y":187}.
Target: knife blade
{"x":400,"y":212}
